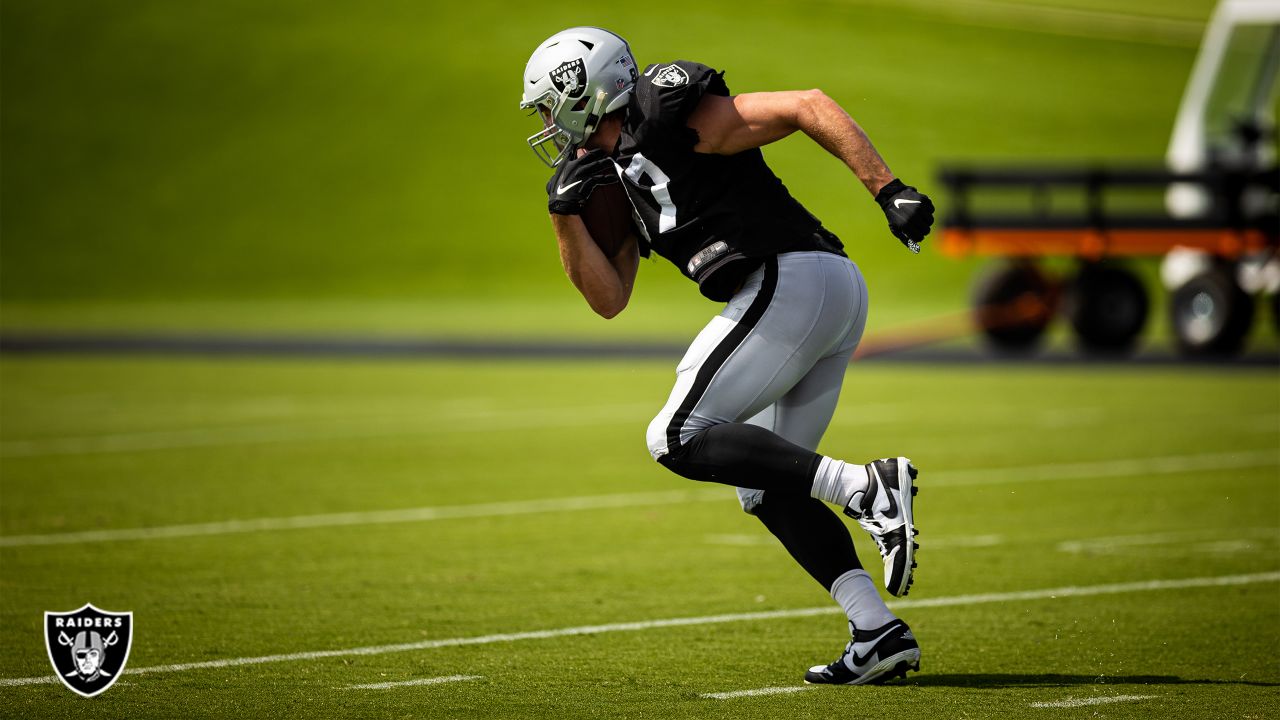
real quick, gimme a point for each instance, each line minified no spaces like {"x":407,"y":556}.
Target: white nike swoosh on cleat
{"x":899,"y":202}
{"x":562,"y":189}
{"x":859,"y":659}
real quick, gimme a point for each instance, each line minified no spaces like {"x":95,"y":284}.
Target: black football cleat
{"x":871,"y":657}
{"x":884,"y":511}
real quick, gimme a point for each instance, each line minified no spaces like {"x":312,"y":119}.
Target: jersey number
{"x":640,"y":166}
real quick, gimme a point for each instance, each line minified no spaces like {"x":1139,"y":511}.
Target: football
{"x":607,"y":215}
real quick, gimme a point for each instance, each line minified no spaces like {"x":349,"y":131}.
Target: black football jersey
{"x":714,"y":216}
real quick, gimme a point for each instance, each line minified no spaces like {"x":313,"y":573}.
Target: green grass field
{"x":549,"y":516}
{"x":1099,"y":540}
{"x":364,"y":165}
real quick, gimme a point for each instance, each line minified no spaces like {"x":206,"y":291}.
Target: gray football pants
{"x":775,"y":357}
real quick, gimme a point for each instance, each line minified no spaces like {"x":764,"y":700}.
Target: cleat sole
{"x":895,"y":666}
{"x":904,"y":587}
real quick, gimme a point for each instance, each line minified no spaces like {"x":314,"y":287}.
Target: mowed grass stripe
{"x":1165,"y":465}
{"x":954,"y":600}
{"x":267,"y":434}
{"x":935,"y":543}
{"x":1053,"y":20}
{"x":376,"y":517}
{"x":1130,"y":467}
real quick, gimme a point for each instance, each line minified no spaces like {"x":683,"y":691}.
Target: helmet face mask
{"x":551,"y":144}
{"x":572,"y":80}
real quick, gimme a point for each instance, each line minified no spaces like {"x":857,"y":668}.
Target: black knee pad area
{"x":678,"y":461}
{"x":745,"y":456}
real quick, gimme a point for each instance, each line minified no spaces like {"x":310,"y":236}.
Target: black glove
{"x":910,"y":213}
{"x":569,"y":188}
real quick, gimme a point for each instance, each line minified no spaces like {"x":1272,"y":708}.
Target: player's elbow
{"x":611,"y":308}
{"x":814,"y":95}
{"x":808,"y":106}
{"x":606,"y":302}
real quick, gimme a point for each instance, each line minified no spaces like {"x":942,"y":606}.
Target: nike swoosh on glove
{"x":910,"y":213}
{"x":573,"y":181}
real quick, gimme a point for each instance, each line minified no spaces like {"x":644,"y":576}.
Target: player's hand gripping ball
{"x":909,"y":212}
{"x":588,"y":186}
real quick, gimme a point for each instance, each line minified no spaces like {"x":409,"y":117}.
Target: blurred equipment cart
{"x":1211,"y":213}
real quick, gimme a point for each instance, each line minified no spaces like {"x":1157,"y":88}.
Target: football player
{"x":758,"y":386}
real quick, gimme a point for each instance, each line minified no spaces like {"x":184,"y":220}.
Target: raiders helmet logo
{"x":88,"y":647}
{"x":570,"y":78}
{"x":671,"y":76}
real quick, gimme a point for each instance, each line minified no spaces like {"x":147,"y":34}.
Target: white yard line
{"x":757,"y":692}
{"x":1084,"y":702}
{"x":1166,"y":465}
{"x":419,"y":681}
{"x":954,"y":600}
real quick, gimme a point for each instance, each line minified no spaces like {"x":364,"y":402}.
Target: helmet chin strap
{"x":594,"y":117}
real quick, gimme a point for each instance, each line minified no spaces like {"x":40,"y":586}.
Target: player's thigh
{"x":711,"y":337}
{"x":803,"y":414}
{"x":756,"y":375}
{"x":814,"y":305}
{"x":791,"y":314}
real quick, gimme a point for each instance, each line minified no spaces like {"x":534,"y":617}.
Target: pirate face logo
{"x":87,"y":651}
{"x":671,"y":76}
{"x":570,"y":78}
{"x":88,"y":647}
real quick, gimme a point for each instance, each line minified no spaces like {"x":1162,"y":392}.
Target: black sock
{"x":813,"y":534}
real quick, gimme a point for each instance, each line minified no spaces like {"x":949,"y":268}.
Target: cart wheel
{"x":1107,"y":306}
{"x":1211,"y":314}
{"x":1012,"y":306}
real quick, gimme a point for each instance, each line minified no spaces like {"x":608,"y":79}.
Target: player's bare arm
{"x":605,"y":283}
{"x":729,"y":125}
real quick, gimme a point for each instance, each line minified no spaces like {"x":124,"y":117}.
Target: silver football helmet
{"x":574,"y":79}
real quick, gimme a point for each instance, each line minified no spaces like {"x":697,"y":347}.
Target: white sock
{"x":855,"y":592}
{"x":837,"y":481}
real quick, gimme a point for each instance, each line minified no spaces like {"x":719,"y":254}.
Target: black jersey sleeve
{"x":666,"y":94}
